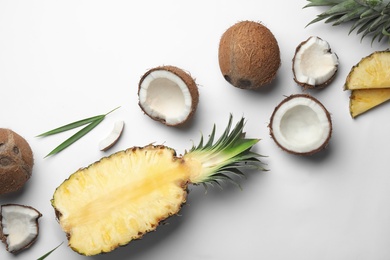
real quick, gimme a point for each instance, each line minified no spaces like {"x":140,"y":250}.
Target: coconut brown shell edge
{"x":190,"y":83}
{"x":320,"y":148}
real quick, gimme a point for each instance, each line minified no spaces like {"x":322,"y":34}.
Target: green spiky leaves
{"x":368,"y":17}
{"x":229,"y":156}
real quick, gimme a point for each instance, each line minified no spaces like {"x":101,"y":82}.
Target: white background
{"x":61,"y":61}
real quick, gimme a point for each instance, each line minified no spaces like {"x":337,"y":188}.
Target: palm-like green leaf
{"x":48,"y":253}
{"x":71,"y":126}
{"x":368,"y":17}
{"x":75,"y":137}
{"x":90,"y":123}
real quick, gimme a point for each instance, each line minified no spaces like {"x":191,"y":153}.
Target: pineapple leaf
{"x":228,"y":156}
{"x":322,"y":3}
{"x":369,"y":17}
{"x":350,"y":16}
{"x":385,"y":30}
{"x":341,"y":8}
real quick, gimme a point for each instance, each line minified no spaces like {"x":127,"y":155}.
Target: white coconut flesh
{"x":19,"y":226}
{"x":301,"y":125}
{"x":164,"y":95}
{"x":314,"y":63}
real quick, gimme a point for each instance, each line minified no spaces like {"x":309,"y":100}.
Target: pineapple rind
{"x":371,"y":72}
{"x":120,"y":198}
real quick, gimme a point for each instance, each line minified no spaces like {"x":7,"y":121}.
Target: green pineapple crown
{"x":368,"y":17}
{"x":229,"y":156}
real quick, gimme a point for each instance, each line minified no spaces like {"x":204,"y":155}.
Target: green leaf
{"x":74,"y":124}
{"x":91,"y":122}
{"x":71,"y":126}
{"x":75,"y":137}
{"x":48,"y":253}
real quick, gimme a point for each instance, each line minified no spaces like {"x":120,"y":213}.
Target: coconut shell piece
{"x":19,"y":226}
{"x":16,"y":161}
{"x":168,"y":94}
{"x":249,"y":55}
{"x":301,"y":125}
{"x":314,"y":64}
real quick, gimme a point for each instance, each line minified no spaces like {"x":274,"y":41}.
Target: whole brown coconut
{"x":249,"y":55}
{"x":16,"y":161}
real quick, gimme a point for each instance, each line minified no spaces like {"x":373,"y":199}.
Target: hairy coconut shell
{"x":249,"y":55}
{"x":16,"y":161}
{"x":189,"y":82}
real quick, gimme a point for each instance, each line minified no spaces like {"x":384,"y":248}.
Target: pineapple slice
{"x":369,"y":82}
{"x":121,"y":197}
{"x":371,"y":72}
{"x":362,"y":100}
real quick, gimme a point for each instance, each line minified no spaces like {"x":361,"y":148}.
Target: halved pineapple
{"x":371,"y":72}
{"x":362,"y":100}
{"x":123,"y":196}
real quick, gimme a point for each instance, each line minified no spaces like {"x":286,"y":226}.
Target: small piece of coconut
{"x":300,"y":124}
{"x":113,"y":137}
{"x":314,"y":64}
{"x":168,"y":94}
{"x":19,"y":226}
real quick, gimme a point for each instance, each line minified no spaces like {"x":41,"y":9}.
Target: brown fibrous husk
{"x":16,"y":161}
{"x":249,"y":55}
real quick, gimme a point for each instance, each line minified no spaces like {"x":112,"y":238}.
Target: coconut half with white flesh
{"x":314,"y":63}
{"x":19,"y":227}
{"x":168,"y":94}
{"x":301,"y":125}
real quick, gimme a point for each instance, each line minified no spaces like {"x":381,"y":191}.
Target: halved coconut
{"x":314,"y":64}
{"x":300,"y":124}
{"x":18,"y":226}
{"x":168,"y":94}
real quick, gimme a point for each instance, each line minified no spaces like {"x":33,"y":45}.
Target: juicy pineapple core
{"x":120,"y":198}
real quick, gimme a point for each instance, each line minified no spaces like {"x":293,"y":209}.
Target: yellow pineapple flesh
{"x":120,"y":198}
{"x":362,"y":100}
{"x":371,"y":72}
{"x":127,"y":194}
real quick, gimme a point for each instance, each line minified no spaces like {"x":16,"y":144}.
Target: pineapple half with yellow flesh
{"x":369,"y":82}
{"x":127,"y":194}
